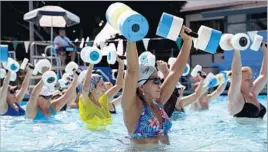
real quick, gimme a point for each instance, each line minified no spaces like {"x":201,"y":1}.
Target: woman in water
{"x":201,"y":102}
{"x":145,"y":119}
{"x":41,"y":106}
{"x":94,"y":99}
{"x":12,"y":96}
{"x":243,"y":91}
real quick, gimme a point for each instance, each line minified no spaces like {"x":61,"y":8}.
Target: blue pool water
{"x":211,"y":130}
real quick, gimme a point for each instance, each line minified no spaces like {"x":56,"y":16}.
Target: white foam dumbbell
{"x":113,"y":73}
{"x":213,"y":81}
{"x":24,"y":63}
{"x":70,"y":67}
{"x":195,"y":70}
{"x":207,"y":38}
{"x":132,"y":25}
{"x":238,"y":41}
{"x":40,"y":65}
{"x":2,"y":73}
{"x":49,"y":78}
{"x":147,"y":58}
{"x":255,"y":46}
{"x":186,"y":70}
{"x":11,"y":65}
{"x":111,"y":55}
{"x":13,"y":76}
{"x":225,"y":42}
{"x":91,"y":55}
{"x":171,"y":61}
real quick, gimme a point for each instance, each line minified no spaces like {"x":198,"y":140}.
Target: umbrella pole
{"x":51,"y":32}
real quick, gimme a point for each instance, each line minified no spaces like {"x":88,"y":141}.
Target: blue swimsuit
{"x":149,"y":126}
{"x":41,"y":116}
{"x":12,"y":112}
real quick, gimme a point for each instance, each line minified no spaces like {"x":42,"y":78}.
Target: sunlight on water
{"x":211,"y":130}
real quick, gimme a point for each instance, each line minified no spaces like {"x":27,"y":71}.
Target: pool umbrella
{"x":51,"y":16}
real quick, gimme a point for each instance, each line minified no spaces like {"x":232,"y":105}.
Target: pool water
{"x":211,"y":130}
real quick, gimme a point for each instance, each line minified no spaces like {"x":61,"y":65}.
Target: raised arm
{"x":57,"y":104}
{"x":129,"y":92}
{"x":187,"y":100}
{"x":236,"y":78}
{"x":261,"y":81}
{"x":234,"y":93}
{"x":24,"y":86}
{"x":212,"y":96}
{"x":86,"y":82}
{"x":177,"y":68}
{"x":119,"y":80}
{"x":31,"y":106}
{"x":3,"y":93}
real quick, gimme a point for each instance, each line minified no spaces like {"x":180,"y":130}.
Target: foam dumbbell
{"x":196,"y":70}
{"x":256,"y":44}
{"x":91,"y":55}
{"x":186,"y":70}
{"x":13,"y":76}
{"x":213,"y":81}
{"x":206,"y":39}
{"x":70,"y":67}
{"x":2,"y":73}
{"x":238,"y":41}
{"x":171,"y":61}
{"x":49,"y":78}
{"x":40,"y":65}
{"x":210,"y":81}
{"x":63,"y":83}
{"x":114,"y":71}
{"x":24,"y":63}
{"x":111,"y":55}
{"x":170,"y":27}
{"x":147,"y":58}
{"x":3,"y":53}
{"x":11,"y":65}
{"x":132,"y":25}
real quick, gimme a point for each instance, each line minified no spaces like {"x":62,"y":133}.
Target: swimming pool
{"x":211,"y":130}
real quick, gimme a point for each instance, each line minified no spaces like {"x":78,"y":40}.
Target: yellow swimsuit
{"x":95,"y":117}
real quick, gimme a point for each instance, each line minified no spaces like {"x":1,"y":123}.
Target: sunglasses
{"x":156,"y":80}
{"x":46,"y":97}
{"x":13,"y":91}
